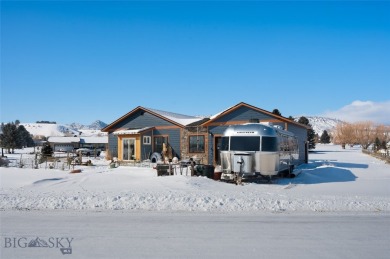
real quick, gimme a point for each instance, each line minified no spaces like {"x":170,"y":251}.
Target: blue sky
{"x":82,"y":61}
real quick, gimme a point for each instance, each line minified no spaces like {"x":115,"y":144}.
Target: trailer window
{"x":245,"y":143}
{"x":269,"y":144}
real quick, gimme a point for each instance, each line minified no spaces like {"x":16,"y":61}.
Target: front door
{"x":129,"y":149}
{"x":217,"y":151}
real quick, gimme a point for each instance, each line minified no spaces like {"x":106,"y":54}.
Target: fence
{"x":380,"y":155}
{"x":57,"y":161}
{"x":46,"y":163}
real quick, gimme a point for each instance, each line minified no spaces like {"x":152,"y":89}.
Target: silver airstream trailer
{"x":256,"y":150}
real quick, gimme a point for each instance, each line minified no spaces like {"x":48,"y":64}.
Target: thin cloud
{"x":377,"y":112}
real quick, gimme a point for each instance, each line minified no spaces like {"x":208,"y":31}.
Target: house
{"x":143,"y":132}
{"x":93,"y":142}
{"x":68,"y":144}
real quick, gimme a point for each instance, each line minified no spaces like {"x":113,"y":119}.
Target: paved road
{"x":192,"y":235}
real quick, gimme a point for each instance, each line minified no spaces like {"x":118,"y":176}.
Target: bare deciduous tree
{"x":363,"y":133}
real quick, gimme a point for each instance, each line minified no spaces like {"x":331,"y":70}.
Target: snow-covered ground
{"x":335,"y":180}
{"x":338,"y":207}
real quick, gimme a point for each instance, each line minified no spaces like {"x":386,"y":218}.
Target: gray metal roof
{"x":176,"y":117}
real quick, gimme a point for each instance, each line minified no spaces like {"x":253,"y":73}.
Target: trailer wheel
{"x":238,"y":180}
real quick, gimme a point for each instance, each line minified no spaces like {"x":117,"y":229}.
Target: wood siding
{"x":173,"y":139}
{"x":242,"y":115}
{"x":113,"y":145}
{"x":141,"y":119}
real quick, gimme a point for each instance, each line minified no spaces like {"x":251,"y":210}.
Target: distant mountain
{"x":97,"y":125}
{"x":319,"y":124}
{"x":76,"y":126}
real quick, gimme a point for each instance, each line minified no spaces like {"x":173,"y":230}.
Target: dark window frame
{"x":196,"y":147}
{"x":158,"y":147}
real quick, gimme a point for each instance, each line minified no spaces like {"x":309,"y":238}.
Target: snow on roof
{"x":63,"y":139}
{"x":94,"y":140}
{"x":130,"y":131}
{"x":178,"y":118}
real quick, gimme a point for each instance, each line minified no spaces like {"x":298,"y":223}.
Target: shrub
{"x":4,"y":162}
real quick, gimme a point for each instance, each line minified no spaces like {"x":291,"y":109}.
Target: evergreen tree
{"x":14,"y":136}
{"x":9,"y":137}
{"x":325,"y":138}
{"x":47,"y":150}
{"x":377,"y":144}
{"x":304,"y":120}
{"x":311,"y":135}
{"x":276,"y":112}
{"x":25,"y":137}
{"x":384,"y":146}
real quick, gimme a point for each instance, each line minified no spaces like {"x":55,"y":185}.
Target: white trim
{"x":130,"y":132}
{"x":147,"y":140}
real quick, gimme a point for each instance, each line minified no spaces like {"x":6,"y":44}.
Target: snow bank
{"x":334,"y":180}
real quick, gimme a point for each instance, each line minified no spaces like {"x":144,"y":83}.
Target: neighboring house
{"x":100,"y":142}
{"x":144,"y":131}
{"x":68,"y":144}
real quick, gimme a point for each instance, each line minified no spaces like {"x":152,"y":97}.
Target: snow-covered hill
{"x":319,"y":124}
{"x":97,"y":125}
{"x":60,"y":130}
{"x":49,"y":130}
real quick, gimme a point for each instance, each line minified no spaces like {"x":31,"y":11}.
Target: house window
{"x":158,"y":143}
{"x":196,"y":144}
{"x":128,"y":147}
{"x":147,"y":140}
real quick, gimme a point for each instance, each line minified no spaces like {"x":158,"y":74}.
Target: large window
{"x":128,"y":149}
{"x":158,"y":143}
{"x":245,"y":143}
{"x":197,"y":144}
